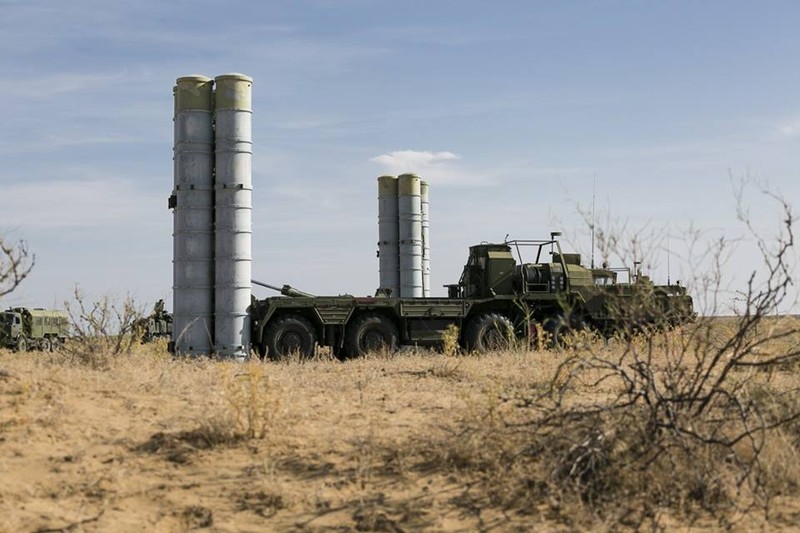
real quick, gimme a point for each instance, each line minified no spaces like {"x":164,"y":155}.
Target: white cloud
{"x":791,"y":129}
{"x":413,"y":158}
{"x":436,"y":167}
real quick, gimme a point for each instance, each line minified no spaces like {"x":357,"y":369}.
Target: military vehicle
{"x":498,"y":298}
{"x":157,"y":325}
{"x":24,"y":329}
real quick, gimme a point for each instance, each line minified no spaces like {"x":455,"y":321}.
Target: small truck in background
{"x":23,"y":329}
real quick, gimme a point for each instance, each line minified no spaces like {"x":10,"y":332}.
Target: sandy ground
{"x":161,"y":445}
{"x":154,"y":444}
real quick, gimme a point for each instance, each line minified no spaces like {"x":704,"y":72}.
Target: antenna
{"x":668,"y":282}
{"x":594,"y":189}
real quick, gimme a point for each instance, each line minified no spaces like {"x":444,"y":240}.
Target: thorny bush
{"x":101,"y":329}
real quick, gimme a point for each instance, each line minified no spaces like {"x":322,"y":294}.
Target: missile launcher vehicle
{"x":499,"y":298}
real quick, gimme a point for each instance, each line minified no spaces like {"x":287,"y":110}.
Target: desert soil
{"x":148,"y":443}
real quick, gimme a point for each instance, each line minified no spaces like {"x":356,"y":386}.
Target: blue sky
{"x":512,"y":110}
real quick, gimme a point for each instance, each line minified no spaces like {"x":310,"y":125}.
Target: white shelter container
{"x":426,"y":240}
{"x":388,"y":235}
{"x":409,"y":206}
{"x":233,"y":188}
{"x":193,"y":217}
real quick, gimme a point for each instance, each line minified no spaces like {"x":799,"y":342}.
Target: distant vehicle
{"x":156,"y":326}
{"x":23,"y":329}
{"x":496,"y":300}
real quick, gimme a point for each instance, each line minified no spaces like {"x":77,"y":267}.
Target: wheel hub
{"x":374,"y":340}
{"x":291,"y":341}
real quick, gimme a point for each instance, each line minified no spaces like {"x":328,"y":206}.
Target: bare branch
{"x":16,"y":262}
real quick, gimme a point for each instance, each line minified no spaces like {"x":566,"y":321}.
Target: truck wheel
{"x":22,"y":344}
{"x":370,"y":333}
{"x":488,"y":332}
{"x":560,"y":326}
{"x":288,"y":335}
{"x":55,"y":344}
{"x":46,"y":346}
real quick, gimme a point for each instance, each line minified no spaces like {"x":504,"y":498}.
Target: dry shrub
{"x":603,"y":468}
{"x":679,"y":429}
{"x":577,"y":339}
{"x":541,"y":339}
{"x":243,"y":403}
{"x":101,"y":329}
{"x":446,"y":368}
{"x":250,"y":403}
{"x":450,"y":344}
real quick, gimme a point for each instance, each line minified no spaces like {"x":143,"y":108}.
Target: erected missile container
{"x":233,"y":214}
{"x":426,"y":238}
{"x":409,"y":214}
{"x":193,"y":217}
{"x":388,"y":235}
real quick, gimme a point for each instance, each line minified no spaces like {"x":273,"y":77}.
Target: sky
{"x":525,"y":117}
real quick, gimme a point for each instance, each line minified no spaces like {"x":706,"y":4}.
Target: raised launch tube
{"x":426,"y":239}
{"x":409,"y":207}
{"x":388,"y":235}
{"x":233,"y":188}
{"x":193,"y":217}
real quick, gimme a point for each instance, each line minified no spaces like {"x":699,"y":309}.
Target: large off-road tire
{"x":488,"y":332}
{"x":289,"y":335}
{"x":46,"y":345}
{"x":55,"y":344}
{"x":370,"y":333}
{"x":22,"y":344}
{"x":560,"y":326}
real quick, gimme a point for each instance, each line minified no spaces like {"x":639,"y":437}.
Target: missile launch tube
{"x":388,"y":235}
{"x":409,"y":206}
{"x":233,"y":191}
{"x":426,"y":240}
{"x":193,"y":217}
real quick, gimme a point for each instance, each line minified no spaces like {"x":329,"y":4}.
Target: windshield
{"x":6,"y":319}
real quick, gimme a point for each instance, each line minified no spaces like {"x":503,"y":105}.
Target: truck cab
{"x":10,"y":328}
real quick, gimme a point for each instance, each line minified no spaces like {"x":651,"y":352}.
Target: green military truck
{"x":23,"y":329}
{"x":498,"y":297}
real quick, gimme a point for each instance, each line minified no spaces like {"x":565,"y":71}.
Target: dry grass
{"x":416,"y":441}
